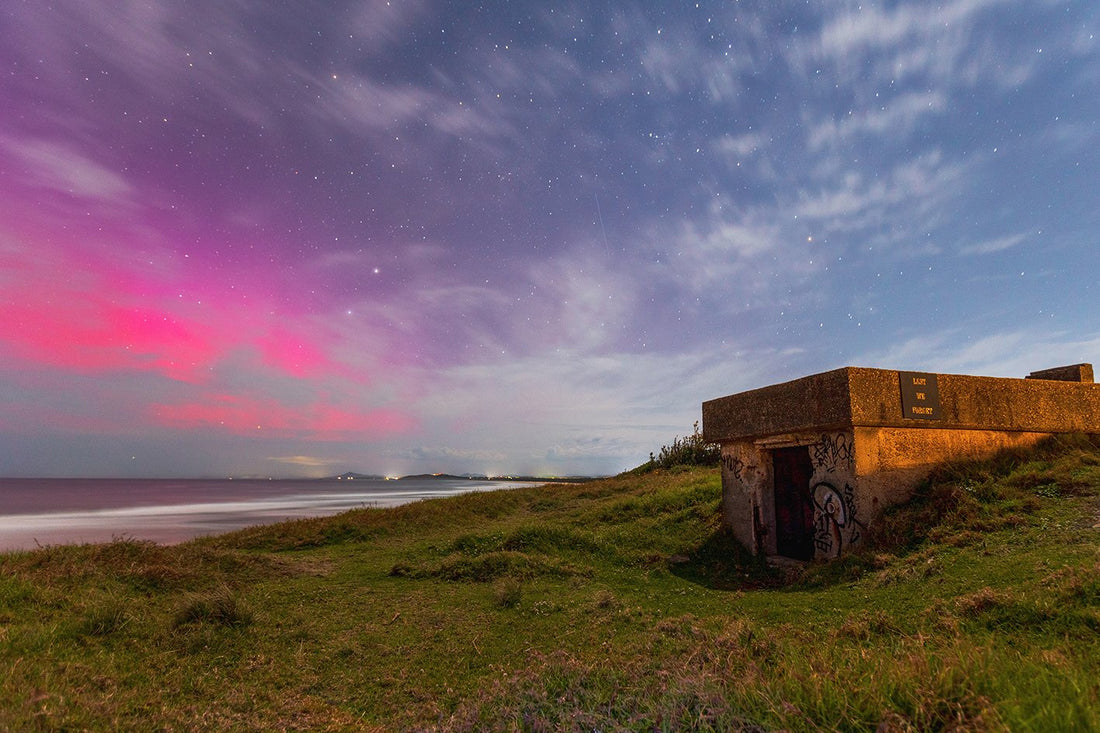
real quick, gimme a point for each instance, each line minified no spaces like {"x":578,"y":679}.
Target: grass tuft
{"x":507,"y":592}
{"x":104,"y":618}
{"x":981,"y":601}
{"x":218,"y":607}
{"x":493,"y":565}
{"x":867,"y":624}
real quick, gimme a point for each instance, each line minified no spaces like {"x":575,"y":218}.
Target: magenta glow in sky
{"x":256,"y":239}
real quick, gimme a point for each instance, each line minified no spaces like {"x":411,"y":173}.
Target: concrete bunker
{"x":808,"y":465}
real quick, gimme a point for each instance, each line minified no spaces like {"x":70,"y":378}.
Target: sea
{"x":42,"y":512}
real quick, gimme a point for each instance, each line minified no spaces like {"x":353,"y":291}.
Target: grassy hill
{"x":611,"y":605}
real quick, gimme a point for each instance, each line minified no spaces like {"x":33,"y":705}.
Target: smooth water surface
{"x":38,"y":512}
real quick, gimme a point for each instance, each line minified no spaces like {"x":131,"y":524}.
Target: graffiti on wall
{"x":734,"y":465}
{"x":835,"y":523}
{"x":834,"y":453}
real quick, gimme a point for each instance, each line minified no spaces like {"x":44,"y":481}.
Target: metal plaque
{"x":920,"y":396}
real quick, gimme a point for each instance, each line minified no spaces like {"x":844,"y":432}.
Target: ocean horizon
{"x":42,"y":512}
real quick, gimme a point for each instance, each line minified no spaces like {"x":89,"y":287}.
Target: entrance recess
{"x":794,"y":507}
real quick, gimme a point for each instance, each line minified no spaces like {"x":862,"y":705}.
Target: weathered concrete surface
{"x":878,"y":449}
{"x":748,"y":506}
{"x":811,"y":403}
{"x":857,"y":396}
{"x":891,"y":462}
{"x":981,"y":403}
{"x":1072,"y":373}
{"x":748,"y":496}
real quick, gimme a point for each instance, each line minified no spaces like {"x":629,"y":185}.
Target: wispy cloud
{"x":1004,"y":353}
{"x":869,"y":28}
{"x":450,"y":456}
{"x":740,"y":146}
{"x":990,"y":246}
{"x":67,"y":170}
{"x":380,"y":26}
{"x":908,"y":193}
{"x":896,"y":117}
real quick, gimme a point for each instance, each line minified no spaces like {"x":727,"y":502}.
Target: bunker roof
{"x":850,"y":397}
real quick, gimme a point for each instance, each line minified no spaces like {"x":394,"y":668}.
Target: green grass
{"x":611,"y":605}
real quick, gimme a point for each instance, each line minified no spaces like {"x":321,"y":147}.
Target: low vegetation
{"x":691,"y":450}
{"x":612,"y":605}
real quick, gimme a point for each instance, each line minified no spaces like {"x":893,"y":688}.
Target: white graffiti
{"x":835,"y":523}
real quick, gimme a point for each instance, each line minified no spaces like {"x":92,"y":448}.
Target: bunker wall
{"x":860,"y":440}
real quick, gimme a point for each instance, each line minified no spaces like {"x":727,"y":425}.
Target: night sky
{"x":299,"y":238}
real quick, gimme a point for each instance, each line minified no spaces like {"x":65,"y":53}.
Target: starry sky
{"x":299,"y":238}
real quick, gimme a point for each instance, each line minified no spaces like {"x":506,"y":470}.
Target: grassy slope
{"x":609,"y":605}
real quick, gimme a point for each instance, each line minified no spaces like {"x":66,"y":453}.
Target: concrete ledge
{"x":861,"y":397}
{"x":809,"y":403}
{"x":1072,"y":373}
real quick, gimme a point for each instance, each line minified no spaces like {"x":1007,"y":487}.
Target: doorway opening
{"x":792,"y":471}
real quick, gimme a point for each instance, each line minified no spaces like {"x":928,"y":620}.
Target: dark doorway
{"x":794,"y":507}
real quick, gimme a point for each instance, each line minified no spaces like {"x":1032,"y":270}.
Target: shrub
{"x":691,"y":450}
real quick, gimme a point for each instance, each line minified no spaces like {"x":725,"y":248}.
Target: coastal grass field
{"x":617,"y":604}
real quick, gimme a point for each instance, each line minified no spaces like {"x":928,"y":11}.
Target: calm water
{"x":67,"y":511}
